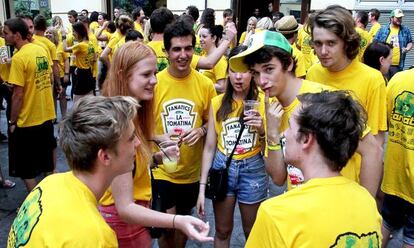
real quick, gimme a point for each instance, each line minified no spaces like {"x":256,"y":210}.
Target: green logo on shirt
{"x":404,"y":104}
{"x":26,"y":219}
{"x":352,"y":240}
{"x":41,"y":64}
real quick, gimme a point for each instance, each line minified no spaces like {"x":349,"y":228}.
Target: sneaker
{"x":3,"y":137}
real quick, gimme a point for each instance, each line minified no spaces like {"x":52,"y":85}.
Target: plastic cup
{"x":169,"y":156}
{"x":3,"y":55}
{"x":250,"y":107}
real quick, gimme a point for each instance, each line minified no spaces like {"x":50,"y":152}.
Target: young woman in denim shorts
{"x":247,"y":178}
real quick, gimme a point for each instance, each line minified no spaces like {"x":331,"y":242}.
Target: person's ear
{"x":381,"y":60}
{"x":290,"y":67}
{"x":307,"y":140}
{"x":103,"y":156}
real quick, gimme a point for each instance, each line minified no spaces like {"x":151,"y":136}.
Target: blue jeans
{"x":248,"y":180}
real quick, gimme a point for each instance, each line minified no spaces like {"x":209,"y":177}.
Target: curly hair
{"x":339,"y":21}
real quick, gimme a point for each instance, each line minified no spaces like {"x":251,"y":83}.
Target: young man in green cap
{"x":269,"y":58}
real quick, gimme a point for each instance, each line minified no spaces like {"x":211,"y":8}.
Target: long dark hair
{"x":226,"y":106}
{"x":374,"y":52}
{"x":79,"y":28}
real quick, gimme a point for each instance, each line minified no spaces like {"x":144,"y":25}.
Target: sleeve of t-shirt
{"x":76,"y":48}
{"x":376,"y":106}
{"x":264,"y":232}
{"x":16,"y":76}
{"x":220,"y":70}
{"x":211,"y":92}
{"x":300,"y":65}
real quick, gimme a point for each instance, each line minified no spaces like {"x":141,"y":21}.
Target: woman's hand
{"x":200,"y":203}
{"x":194,"y":228}
{"x":255,"y":120}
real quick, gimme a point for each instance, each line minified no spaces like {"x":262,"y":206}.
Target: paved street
{"x":11,"y":199}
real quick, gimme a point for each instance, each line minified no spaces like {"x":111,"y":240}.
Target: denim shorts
{"x":398,"y":213}
{"x":248,"y":180}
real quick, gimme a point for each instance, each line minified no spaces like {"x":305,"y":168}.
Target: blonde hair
{"x":95,"y":122}
{"x":55,"y":35}
{"x":264,"y":24}
{"x":116,"y":84}
{"x":253,"y":19}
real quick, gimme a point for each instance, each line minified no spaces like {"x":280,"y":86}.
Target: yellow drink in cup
{"x":169,"y":159}
{"x":170,"y":166}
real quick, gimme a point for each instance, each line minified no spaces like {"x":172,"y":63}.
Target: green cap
{"x":257,"y":41}
{"x":397,"y":13}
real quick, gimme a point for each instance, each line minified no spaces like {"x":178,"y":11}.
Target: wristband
{"x":66,"y":73}
{"x":274,"y":147}
{"x":174,"y":221}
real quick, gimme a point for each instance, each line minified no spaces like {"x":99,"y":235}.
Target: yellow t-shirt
{"x":366,"y":39}
{"x":92,"y":38}
{"x":162,"y":59}
{"x":62,"y":56}
{"x":295,"y":176}
{"x":242,"y":38}
{"x":60,"y":212}
{"x":399,"y":155}
{"x":300,"y":70}
{"x":182,"y":104}
{"x":324,"y":212}
{"x":93,"y":26}
{"x":4,"y":68}
{"x":119,"y":44}
{"x":218,"y":72}
{"x":112,"y":43}
{"x":374,"y":29}
{"x":366,"y":83}
{"x":84,"y":55}
{"x":304,"y":40}
{"x":46,"y":48}
{"x":228,"y":130}
{"x":50,"y":46}
{"x":138,"y":27}
{"x":142,"y":184}
{"x":394,"y":41}
{"x":30,"y":69}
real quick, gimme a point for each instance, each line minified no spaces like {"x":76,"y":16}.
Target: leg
{"x":223,"y":216}
{"x":394,"y":210}
{"x":63,"y":103}
{"x":5,"y":183}
{"x":30,"y":184}
{"x":408,"y":231}
{"x":187,"y":195}
{"x":248,"y":214}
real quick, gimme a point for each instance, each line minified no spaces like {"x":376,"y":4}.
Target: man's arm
{"x":17,"y":101}
{"x":275,"y":166}
{"x":407,"y":48}
{"x":371,"y":163}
